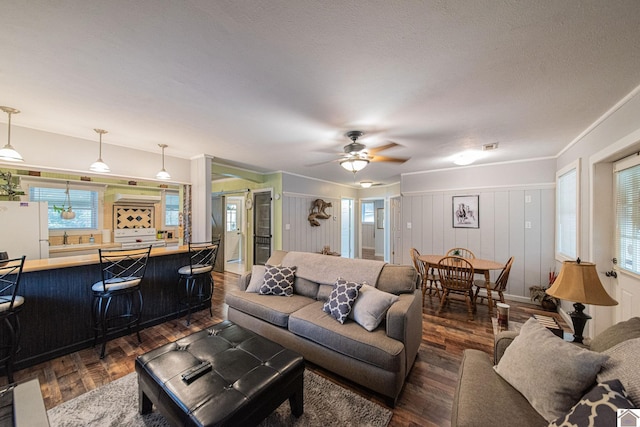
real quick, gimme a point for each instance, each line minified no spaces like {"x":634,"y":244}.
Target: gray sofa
{"x":484,"y":398}
{"x":379,"y":360}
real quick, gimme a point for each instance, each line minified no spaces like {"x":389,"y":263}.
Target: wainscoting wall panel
{"x":301,"y":236}
{"x":513,"y":222}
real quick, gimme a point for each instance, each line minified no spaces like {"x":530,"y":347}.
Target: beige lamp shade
{"x":579,"y":282}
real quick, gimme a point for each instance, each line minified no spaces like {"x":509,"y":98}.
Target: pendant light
{"x":8,"y":153}
{"x":99,"y":165}
{"x":163,"y":174}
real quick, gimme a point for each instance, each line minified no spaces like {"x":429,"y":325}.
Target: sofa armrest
{"x":404,"y":323}
{"x":503,"y":340}
{"x":243,"y":281}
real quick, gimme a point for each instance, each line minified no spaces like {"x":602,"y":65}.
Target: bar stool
{"x":10,"y":305}
{"x":122,"y":272}
{"x":197,"y":278}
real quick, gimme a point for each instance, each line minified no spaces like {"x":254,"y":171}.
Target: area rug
{"x":116,"y":404}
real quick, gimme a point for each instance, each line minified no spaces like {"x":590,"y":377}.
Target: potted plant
{"x":539,"y":294}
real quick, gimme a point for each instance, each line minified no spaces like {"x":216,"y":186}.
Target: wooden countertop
{"x":81,"y":247}
{"x":74,"y":261}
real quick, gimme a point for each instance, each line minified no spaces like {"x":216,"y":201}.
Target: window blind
{"x":171,"y":209}
{"x":627,"y":205}
{"x":84,"y":203}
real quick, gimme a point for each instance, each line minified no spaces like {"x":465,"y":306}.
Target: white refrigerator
{"x":24,"y":229}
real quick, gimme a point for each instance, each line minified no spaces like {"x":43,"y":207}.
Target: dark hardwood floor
{"x":425,"y":400}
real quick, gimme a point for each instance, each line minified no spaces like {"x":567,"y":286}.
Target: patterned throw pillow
{"x":278,"y":281}
{"x":343,"y":296}
{"x":598,"y":407}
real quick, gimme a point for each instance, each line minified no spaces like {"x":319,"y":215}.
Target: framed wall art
{"x":465,"y":212}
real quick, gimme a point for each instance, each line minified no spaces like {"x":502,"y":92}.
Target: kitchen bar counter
{"x":56,"y":315}
{"x":74,"y":261}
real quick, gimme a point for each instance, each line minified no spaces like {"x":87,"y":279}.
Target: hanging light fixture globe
{"x":99,"y":165}
{"x":8,"y":153}
{"x":163,"y":174}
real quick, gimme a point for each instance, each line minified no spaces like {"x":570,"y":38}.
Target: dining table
{"x":480,"y":266}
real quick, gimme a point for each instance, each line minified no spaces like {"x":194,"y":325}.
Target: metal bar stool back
{"x":197,"y":278}
{"x":10,"y":305}
{"x":117,"y":298}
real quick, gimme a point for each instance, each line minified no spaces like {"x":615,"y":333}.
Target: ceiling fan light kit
{"x":8,"y":153}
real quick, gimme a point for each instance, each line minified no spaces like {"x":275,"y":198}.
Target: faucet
{"x":65,"y":239}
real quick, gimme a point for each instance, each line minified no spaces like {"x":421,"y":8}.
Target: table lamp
{"x":579,"y":282}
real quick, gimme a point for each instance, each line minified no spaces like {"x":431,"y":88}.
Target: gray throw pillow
{"x":257,"y":278}
{"x":278,"y":281}
{"x":341,"y":300}
{"x":371,"y":306}
{"x":552,"y":374}
{"x":624,"y":365}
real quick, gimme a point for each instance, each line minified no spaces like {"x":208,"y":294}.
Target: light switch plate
{"x":408,"y":226}
{"x":527,"y":224}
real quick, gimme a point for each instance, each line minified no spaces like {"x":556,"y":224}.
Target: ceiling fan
{"x":356,"y":156}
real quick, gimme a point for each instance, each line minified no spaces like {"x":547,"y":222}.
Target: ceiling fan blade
{"x":375,"y":150}
{"x":322,"y":163}
{"x":387,"y":159}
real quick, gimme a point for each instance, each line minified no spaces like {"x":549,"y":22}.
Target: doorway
{"x":234,"y":235}
{"x":347,"y":228}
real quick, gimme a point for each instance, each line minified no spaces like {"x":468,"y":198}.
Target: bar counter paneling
{"x":56,"y":318}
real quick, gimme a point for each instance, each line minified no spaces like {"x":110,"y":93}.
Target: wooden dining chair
{"x":498,"y":286}
{"x":429,"y":279}
{"x":456,"y":276}
{"x":460,"y":252}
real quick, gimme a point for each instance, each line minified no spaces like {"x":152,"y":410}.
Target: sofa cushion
{"x":270,"y":308}
{"x":305,"y":287}
{"x":323,"y":292}
{"x":615,"y":334}
{"x":598,"y":407}
{"x":257,"y":278}
{"x":550,"y":372}
{"x":350,"y":339}
{"x":343,"y":296}
{"x":397,"y":279}
{"x":278,"y":281}
{"x":371,"y":307}
{"x":482,"y":398}
{"x":624,"y":365}
{"x":324,"y":269}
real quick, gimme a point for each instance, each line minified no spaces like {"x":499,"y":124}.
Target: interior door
{"x":262,"y":234}
{"x":234,"y":224}
{"x":217,"y":229}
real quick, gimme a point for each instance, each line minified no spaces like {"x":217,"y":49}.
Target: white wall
{"x":613,"y":136}
{"x":503,"y":211}
{"x":49,"y":151}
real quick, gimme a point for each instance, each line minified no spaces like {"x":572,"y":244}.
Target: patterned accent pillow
{"x":341,"y":300}
{"x":598,"y":407}
{"x":278,"y":281}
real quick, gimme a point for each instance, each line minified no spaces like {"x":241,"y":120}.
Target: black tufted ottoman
{"x":225,"y":375}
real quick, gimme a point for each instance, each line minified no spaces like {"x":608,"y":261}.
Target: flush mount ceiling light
{"x":8,"y":153}
{"x":354,"y":164}
{"x":466,"y":158}
{"x":99,"y":165}
{"x":163,"y":174}
{"x":366,"y":184}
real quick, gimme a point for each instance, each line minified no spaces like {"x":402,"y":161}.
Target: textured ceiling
{"x":275,"y":84}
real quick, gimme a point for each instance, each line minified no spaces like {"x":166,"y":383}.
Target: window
{"x":627,"y":205}
{"x":232,"y":217}
{"x":171,"y":209}
{"x":567,"y":214}
{"x":368,"y":215}
{"x":84,"y":203}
